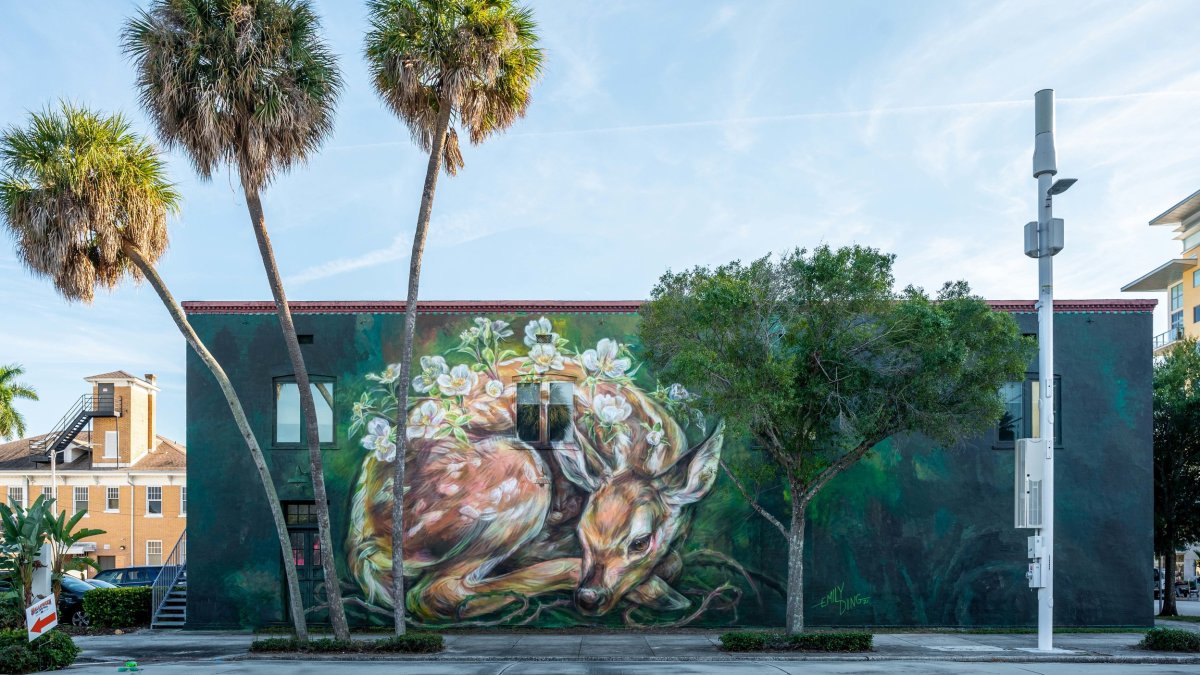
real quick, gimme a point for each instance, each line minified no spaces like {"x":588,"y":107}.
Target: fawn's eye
{"x":640,"y":544}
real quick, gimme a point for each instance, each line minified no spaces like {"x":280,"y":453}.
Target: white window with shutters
{"x":81,"y":498}
{"x":16,"y":495}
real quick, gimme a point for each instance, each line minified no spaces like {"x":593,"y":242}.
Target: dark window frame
{"x":1027,"y":402}
{"x":545,"y":384}
{"x":276,"y":383}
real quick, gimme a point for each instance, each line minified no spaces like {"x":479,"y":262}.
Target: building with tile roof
{"x":107,"y":457}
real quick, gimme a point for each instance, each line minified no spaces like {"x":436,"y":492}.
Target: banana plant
{"x":23,"y":533}
{"x":62,"y":535}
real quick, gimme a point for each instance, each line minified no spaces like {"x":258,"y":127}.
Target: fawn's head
{"x":631,"y":519}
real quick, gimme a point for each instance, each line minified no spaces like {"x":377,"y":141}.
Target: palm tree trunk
{"x":795,"y":580}
{"x":333,"y":592}
{"x":239,"y":417}
{"x":406,"y":356}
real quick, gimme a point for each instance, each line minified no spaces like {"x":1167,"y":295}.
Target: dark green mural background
{"x":913,"y":535}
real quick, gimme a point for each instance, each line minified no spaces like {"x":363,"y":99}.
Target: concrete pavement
{"x":487,"y":652}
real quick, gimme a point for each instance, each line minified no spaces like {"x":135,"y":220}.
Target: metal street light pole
{"x":1043,"y":240}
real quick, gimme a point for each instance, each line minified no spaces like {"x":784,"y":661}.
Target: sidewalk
{"x":148,"y":646}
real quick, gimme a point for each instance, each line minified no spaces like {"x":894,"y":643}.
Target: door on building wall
{"x":104,"y":399}
{"x":301,"y":520}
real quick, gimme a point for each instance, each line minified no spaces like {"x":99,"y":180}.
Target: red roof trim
{"x":585,"y":306}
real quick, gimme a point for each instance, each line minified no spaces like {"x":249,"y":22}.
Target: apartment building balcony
{"x":1164,"y":340}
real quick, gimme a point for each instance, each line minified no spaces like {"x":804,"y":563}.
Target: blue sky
{"x":663,"y":135}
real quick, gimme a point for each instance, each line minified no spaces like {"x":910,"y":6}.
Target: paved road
{"x":638,"y":668}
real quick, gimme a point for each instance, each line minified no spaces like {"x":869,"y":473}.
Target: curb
{"x":725,"y":658}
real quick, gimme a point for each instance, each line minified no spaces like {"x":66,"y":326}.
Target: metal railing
{"x":65,"y":430}
{"x":1163,"y":339}
{"x":172,"y":568}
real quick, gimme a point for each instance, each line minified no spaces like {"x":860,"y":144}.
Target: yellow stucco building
{"x":1179,"y":277}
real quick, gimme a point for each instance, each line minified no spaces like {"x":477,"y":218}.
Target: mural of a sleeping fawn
{"x":472,"y":505}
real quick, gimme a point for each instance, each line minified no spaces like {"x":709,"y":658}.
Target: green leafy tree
{"x":817,"y":359}
{"x":1176,"y":458}
{"x":12,"y":422}
{"x":248,"y":83}
{"x":62,"y":533}
{"x":22,"y":534}
{"x":442,"y":64}
{"x":87,"y":201}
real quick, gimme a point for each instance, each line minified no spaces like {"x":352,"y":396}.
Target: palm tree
{"x":62,"y":535}
{"x":439,"y":64}
{"x":22,"y":534}
{"x":12,"y":423}
{"x":249,"y":83}
{"x":87,"y":202}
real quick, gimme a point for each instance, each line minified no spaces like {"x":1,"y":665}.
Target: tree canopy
{"x":1176,"y":455}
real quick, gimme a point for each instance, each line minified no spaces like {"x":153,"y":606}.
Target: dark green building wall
{"x":915,"y":535}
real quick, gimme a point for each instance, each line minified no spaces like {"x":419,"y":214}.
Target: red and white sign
{"x":40,"y":617}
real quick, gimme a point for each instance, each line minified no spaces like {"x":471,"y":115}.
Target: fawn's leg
{"x":455,"y":596}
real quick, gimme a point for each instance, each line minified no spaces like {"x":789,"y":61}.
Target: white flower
{"x":425,"y":419}
{"x":388,"y":375}
{"x":611,"y":409}
{"x":545,"y":357}
{"x":379,"y":439}
{"x":494,"y":388}
{"x":431,"y":368}
{"x":677,"y":393}
{"x":604,"y":359}
{"x":501,"y":329}
{"x":458,"y":382}
{"x":540,"y":327}
{"x":655,"y":438}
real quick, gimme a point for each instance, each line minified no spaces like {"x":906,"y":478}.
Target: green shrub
{"x":12,"y":611}
{"x":118,"y":607}
{"x":410,"y":643}
{"x":1171,"y":640}
{"x":52,"y":651}
{"x":761,"y":641}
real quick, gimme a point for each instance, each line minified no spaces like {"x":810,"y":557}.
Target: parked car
{"x":99,"y":583}
{"x":70,"y":609}
{"x":129,"y":576}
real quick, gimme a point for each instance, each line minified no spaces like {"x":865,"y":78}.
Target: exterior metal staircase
{"x":169,"y":599}
{"x":77,"y":418}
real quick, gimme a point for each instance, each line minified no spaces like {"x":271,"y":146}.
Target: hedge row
{"x":409,"y":643}
{"x":52,"y":651}
{"x":762,"y":641}
{"x":1171,"y":640}
{"x":118,"y":607}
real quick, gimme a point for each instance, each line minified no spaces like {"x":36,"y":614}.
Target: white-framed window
{"x":16,"y":493}
{"x":154,"y":501}
{"x":80,"y":493}
{"x":48,"y":492}
{"x":183,"y":500}
{"x":153,"y":551}
{"x":110,"y":445}
{"x":112,"y":500}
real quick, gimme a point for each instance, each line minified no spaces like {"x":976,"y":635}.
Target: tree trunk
{"x":1169,"y":608}
{"x":795,"y":580}
{"x":406,"y":355}
{"x":308,"y":409}
{"x":239,"y":417}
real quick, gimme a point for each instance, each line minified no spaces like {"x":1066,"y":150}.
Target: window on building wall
{"x":1176,"y":305}
{"x":16,"y":495}
{"x":1195,"y":278}
{"x":154,"y":552}
{"x":80,"y":493}
{"x":154,"y":500}
{"x":1196,"y":314}
{"x":112,"y":500}
{"x":1022,"y":407}
{"x":48,"y":492}
{"x":551,"y":423}
{"x":1192,"y":241}
{"x":183,"y":500}
{"x":289,"y":422}
{"x":110,"y":445}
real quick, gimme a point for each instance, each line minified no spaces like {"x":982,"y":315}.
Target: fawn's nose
{"x":590,"y":599}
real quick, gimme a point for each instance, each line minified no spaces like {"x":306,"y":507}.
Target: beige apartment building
{"x":1178,"y":277}
{"x":107,"y":457}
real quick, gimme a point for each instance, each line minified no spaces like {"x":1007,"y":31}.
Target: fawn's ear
{"x":701,"y":469}
{"x":657,"y":594}
{"x":574,"y":467}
